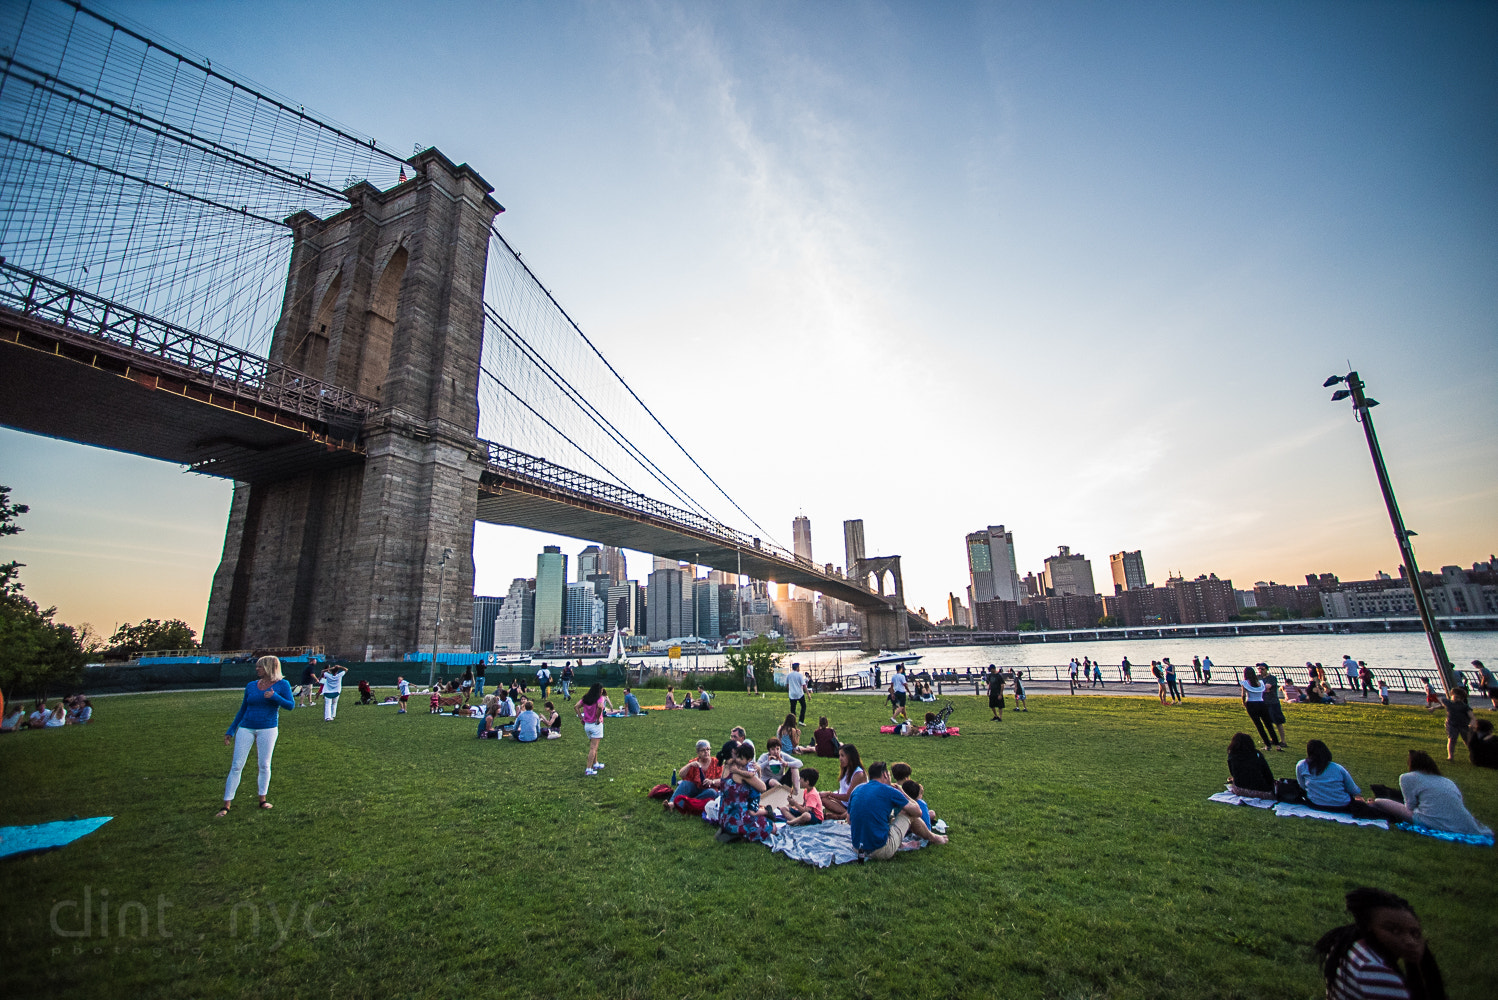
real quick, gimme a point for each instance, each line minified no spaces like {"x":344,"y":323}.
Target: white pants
{"x":265,"y":742}
{"x":329,"y":707}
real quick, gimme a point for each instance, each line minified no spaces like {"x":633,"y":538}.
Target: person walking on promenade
{"x":1172,"y":682}
{"x":1206,"y":670}
{"x":1350,"y":669}
{"x":898,"y":689}
{"x":543,"y":678}
{"x":795,"y":688}
{"x":995,"y":694}
{"x":1159,"y":678}
{"x":1487,"y":683}
{"x":332,"y":687}
{"x":1126,"y":669}
{"x":1365,"y":678}
{"x":1073,"y":667}
{"x":566,"y":681}
{"x":1097,"y":672}
{"x":1196,"y":669}
{"x":1020,"y":704}
{"x":255,"y":726}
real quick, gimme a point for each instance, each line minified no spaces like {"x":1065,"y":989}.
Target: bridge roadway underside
{"x":525,"y":506}
{"x":110,"y":400}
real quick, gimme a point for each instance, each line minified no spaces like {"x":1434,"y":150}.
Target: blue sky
{"x":1076,"y":268}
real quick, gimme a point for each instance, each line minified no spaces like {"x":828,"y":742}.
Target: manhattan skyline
{"x":1073,"y":269}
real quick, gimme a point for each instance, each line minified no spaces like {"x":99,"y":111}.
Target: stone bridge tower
{"x":384,"y":298}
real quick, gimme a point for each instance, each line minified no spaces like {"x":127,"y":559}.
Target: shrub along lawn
{"x":1085,"y":861}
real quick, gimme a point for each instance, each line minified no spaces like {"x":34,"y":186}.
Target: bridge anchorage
{"x":134,"y":217}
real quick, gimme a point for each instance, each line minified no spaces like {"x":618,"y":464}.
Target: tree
{"x":35,"y":652}
{"x":130,"y":640}
{"x":762,"y":654}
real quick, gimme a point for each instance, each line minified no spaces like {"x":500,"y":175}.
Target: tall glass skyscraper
{"x":992,"y":567}
{"x":551,"y":594}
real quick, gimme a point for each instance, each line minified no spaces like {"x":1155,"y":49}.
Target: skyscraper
{"x":1068,"y":574}
{"x":801,"y":537}
{"x":613,"y":564}
{"x":663,"y":605}
{"x":991,"y":564}
{"x":589,"y":564}
{"x":579,"y":615}
{"x":626,"y":608}
{"x":551,"y":594}
{"x":705,"y":610}
{"x":1128,"y":570}
{"x":515,"y":627}
{"x":485,"y":611}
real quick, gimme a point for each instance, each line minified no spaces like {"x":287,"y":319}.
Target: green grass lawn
{"x":1085,"y":861}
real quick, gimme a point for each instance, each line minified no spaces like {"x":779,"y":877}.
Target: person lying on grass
{"x":850,"y":776}
{"x":1250,"y":774}
{"x":805,"y":807}
{"x":881,"y":814}
{"x":1427,"y":798}
{"x":700,"y":778}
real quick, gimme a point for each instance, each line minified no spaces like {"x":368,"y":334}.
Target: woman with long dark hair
{"x":1251,"y":777}
{"x":850,"y":776}
{"x":256,"y":726}
{"x":1364,"y":958}
{"x":1253,"y":701}
{"x":590,"y":708}
{"x":1431,"y":800}
{"x":1328,"y":786}
{"x":788,"y":734}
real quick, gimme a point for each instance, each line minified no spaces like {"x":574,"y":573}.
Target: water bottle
{"x":673,"y":777}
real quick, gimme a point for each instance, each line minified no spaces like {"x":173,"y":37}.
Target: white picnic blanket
{"x":1291,"y":809}
{"x":825,"y":844}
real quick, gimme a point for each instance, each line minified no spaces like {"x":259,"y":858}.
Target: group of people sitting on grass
{"x":1424,"y":795}
{"x":704,"y":700}
{"x":882,"y":803}
{"x":504,"y":719}
{"x":70,"y":711}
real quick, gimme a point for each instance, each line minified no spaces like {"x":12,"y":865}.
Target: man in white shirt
{"x":795,"y":689}
{"x":332,"y":687}
{"x":1350,"y":668}
{"x":543,"y":677}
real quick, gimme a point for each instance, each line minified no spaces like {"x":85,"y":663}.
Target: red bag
{"x":692,"y":807}
{"x":660,"y":792}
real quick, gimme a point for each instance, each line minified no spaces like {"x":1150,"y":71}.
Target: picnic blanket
{"x":1460,"y":838}
{"x":825,"y":844}
{"x":46,"y":836}
{"x":1294,"y":809}
{"x":889,"y":730}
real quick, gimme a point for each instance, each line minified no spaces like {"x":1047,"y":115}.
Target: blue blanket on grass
{"x":45,"y":836}
{"x":1460,"y":838}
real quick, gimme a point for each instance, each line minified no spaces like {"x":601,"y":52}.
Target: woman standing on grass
{"x":590,"y":708}
{"x":255,"y":725}
{"x":850,"y":776}
{"x":1253,"y":702}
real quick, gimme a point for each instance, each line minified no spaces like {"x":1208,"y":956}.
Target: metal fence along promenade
{"x":106,"y":335}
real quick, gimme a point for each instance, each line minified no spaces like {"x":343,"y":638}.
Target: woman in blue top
{"x":1328,"y":786}
{"x":255,"y":725}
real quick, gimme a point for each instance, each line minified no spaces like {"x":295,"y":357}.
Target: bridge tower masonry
{"x":384,"y":298}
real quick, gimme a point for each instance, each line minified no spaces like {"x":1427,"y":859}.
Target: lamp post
{"x":1361,"y":404}
{"x":437,"y":625}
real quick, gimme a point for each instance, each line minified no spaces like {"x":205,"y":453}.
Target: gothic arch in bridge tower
{"x":311,"y":354}
{"x":374,"y":353}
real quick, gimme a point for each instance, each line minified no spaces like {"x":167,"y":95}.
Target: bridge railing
{"x":89,"y":319}
{"x":518,"y":465}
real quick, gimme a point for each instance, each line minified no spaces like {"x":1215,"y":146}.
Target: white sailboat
{"x":616,"y":648}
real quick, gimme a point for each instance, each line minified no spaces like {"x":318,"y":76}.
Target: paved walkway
{"x":1141,"y":690}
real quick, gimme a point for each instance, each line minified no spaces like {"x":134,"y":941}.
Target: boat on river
{"x":888,"y":659}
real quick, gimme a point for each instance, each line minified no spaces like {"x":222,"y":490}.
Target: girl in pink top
{"x":590,"y":709}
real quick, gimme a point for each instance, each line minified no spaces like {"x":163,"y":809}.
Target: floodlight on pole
{"x":1361,"y":404}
